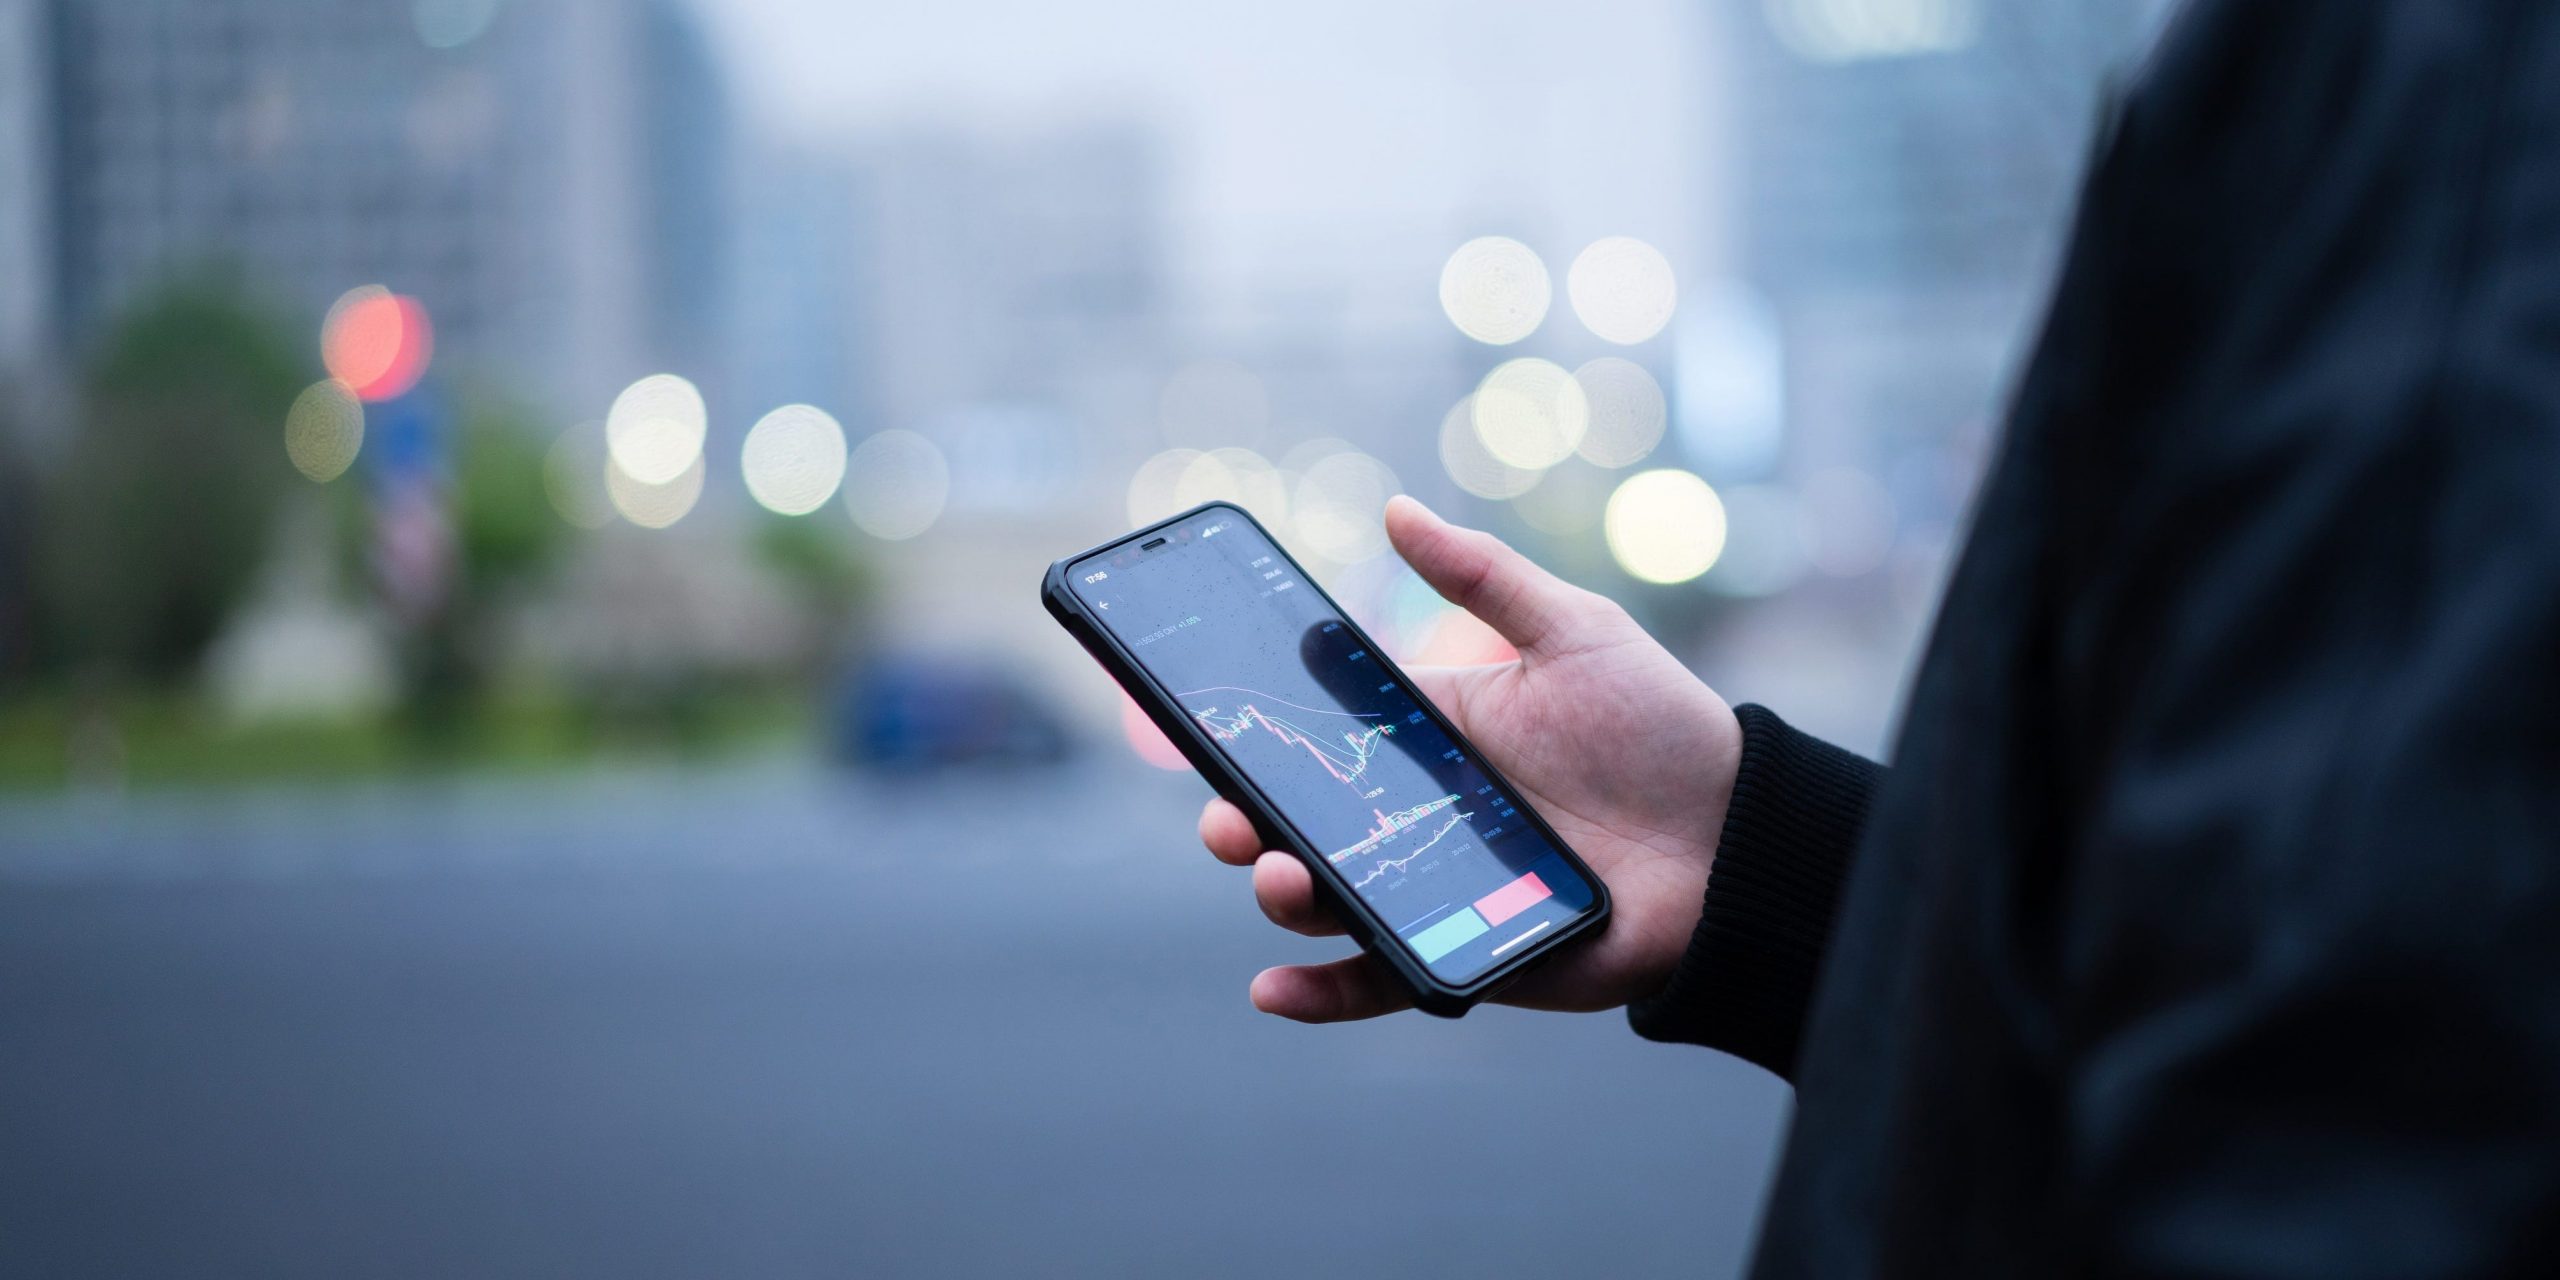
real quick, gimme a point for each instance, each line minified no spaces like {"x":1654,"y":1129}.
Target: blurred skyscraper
{"x":25,"y":181}
{"x":1013,"y":298}
{"x":546,"y":175}
{"x":1902,"y":172}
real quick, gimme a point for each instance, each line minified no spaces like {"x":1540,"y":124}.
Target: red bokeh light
{"x":377,"y":342}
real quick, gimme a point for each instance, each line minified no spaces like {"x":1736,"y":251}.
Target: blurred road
{"x":772,"y":1022}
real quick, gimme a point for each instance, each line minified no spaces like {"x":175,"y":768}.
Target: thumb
{"x":1481,"y":574}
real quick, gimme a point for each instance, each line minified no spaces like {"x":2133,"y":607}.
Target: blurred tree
{"x":156,"y":521}
{"x":18,"y":495}
{"x":505,"y":536}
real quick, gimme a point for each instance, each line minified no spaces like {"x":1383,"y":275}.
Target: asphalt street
{"x":772,"y":1021}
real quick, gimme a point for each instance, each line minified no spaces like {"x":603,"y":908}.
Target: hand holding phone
{"x":1456,"y":884}
{"x":1628,"y":755}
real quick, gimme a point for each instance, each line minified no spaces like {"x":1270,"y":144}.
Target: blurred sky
{"x":1295,"y":128}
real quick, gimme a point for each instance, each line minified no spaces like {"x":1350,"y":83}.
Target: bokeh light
{"x":655,"y":428}
{"x":1213,"y":402}
{"x":1341,"y":505}
{"x":1853,"y":30}
{"x":1665,"y":526}
{"x":1148,"y":740}
{"x":573,"y":476}
{"x":1463,"y":455}
{"x":1850,"y":519}
{"x":1307,"y":453}
{"x":1628,"y":412}
{"x":1154,"y":490}
{"x":1567,"y":500}
{"x":1622,"y":288}
{"x":1496,"y":290}
{"x":1530,"y":413}
{"x":450,"y":24}
{"x":1765,"y":548}
{"x":1240,"y":476}
{"x":793,"y":459}
{"x":324,"y":430}
{"x":895,"y":484}
{"x":377,"y":342}
{"x":653,"y":506}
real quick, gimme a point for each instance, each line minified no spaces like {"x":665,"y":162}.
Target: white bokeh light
{"x":1623,"y":290}
{"x":324,"y":430}
{"x":1240,"y":476}
{"x":1154,"y":487}
{"x":656,"y":427}
{"x":895,"y":484}
{"x":1530,"y":413}
{"x":1496,"y":290}
{"x":653,"y":506}
{"x":793,"y":459}
{"x":1857,"y":30}
{"x":1463,"y":455}
{"x":1341,"y":505}
{"x":1628,"y":412}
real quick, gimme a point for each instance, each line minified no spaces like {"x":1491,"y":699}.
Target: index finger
{"x":1229,"y":834}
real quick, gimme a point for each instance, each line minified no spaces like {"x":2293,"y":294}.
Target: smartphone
{"x":1426,"y":854}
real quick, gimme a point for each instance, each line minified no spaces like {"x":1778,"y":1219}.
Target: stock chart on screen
{"x":1343,"y":749}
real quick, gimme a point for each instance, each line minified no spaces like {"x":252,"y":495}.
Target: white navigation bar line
{"x":1543,"y":926}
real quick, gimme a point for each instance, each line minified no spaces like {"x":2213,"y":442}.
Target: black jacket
{"x":2208,"y":922}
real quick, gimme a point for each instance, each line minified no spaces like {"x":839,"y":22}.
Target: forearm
{"x":1799,"y":807}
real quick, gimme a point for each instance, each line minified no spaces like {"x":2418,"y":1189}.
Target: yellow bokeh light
{"x":573,"y":476}
{"x":1463,"y":455}
{"x":655,"y":429}
{"x":1496,"y":290}
{"x":1341,"y":505}
{"x":1530,"y":413}
{"x":1628,"y":412}
{"x":324,"y":430}
{"x":793,"y":459}
{"x":1664,"y":526}
{"x":1623,"y":289}
{"x":653,"y":506}
{"x":896,"y":483}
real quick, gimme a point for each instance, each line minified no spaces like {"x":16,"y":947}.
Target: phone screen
{"x":1260,"y":659}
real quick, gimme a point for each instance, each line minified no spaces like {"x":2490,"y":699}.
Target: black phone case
{"x":1430,"y":994}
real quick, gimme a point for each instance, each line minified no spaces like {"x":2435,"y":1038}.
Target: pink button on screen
{"x":1512,"y":899}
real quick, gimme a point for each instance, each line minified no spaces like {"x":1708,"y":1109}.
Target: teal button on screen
{"x":1448,"y":935}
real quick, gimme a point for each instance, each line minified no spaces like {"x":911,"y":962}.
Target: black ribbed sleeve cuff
{"x":1799,"y":804}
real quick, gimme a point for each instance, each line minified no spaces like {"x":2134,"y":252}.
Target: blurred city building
{"x":26,"y":183}
{"x":1000,"y":288}
{"x":1901,"y":172}
{"x":548,"y":176}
